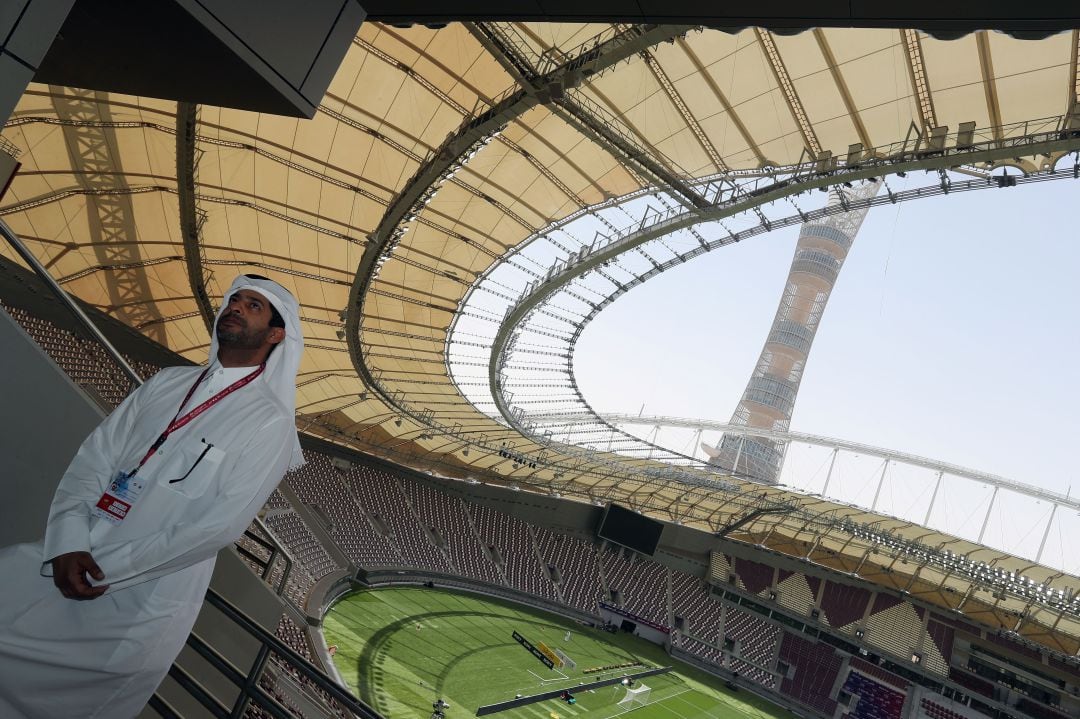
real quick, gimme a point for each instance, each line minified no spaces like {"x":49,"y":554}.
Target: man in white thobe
{"x":92,"y":617}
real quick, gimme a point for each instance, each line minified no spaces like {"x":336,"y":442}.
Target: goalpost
{"x":635,"y":697}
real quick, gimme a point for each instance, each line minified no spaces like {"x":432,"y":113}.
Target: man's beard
{"x":238,"y":336}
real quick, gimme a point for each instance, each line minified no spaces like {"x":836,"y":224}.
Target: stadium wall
{"x":445,"y":581}
{"x":45,"y":417}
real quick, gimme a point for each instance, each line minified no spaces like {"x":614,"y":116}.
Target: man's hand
{"x":69,"y":575}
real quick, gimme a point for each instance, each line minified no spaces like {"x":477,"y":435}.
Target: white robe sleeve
{"x":193,"y":539}
{"x":68,"y":528}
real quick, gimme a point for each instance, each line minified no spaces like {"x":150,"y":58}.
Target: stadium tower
{"x":769,"y":397}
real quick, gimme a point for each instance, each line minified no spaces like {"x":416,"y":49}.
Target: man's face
{"x":245,"y":323}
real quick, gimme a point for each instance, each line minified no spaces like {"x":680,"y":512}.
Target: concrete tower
{"x":769,"y":398}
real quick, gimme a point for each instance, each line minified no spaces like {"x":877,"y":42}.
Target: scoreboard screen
{"x":630,"y":529}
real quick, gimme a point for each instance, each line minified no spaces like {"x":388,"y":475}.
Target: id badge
{"x":119,"y":498}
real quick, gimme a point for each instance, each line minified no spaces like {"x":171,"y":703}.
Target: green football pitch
{"x":402,"y":648}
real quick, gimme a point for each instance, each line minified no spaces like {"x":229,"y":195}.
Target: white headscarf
{"x":284,"y":361}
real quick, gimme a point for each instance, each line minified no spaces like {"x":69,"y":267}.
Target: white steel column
{"x":986,"y":519}
{"x":933,"y":497}
{"x":881,"y":481}
{"x":1046,"y":533}
{"x":738,"y":454}
{"x":828,"y":477}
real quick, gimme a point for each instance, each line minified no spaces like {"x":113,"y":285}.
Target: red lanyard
{"x":178,"y":421}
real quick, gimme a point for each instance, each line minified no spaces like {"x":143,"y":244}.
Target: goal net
{"x":636,"y":697}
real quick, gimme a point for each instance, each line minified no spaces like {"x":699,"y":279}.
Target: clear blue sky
{"x":952,"y":333}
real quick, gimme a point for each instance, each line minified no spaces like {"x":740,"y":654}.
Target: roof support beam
{"x":1074,"y":77}
{"x":191,"y":218}
{"x":787,"y":89}
{"x":473,"y":131}
{"x":920,"y":82}
{"x":604,"y":128}
{"x":842,"y":88}
{"x":729,"y":110}
{"x":545,"y":171}
{"x":92,"y":150}
{"x":751,"y":516}
{"x":986,"y":66}
{"x":451,"y":102}
{"x":676,"y":99}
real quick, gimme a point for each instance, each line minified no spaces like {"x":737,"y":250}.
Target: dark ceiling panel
{"x":250,"y":55}
{"x":1048,"y":15}
{"x":158,"y":51}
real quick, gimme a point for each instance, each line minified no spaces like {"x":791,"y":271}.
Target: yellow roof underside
{"x":98,"y":201}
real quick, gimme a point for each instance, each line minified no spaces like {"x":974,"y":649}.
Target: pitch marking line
{"x":561,"y":678}
{"x":710,"y":715}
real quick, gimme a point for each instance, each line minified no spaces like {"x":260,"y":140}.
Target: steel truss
{"x":784,"y":183}
{"x":518,"y":417}
{"x":475,"y":132}
{"x":536,"y":301}
{"x":91,"y":148}
{"x":664,"y":489}
{"x":944,"y":471}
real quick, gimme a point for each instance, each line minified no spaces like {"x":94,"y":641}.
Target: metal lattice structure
{"x":770,"y":394}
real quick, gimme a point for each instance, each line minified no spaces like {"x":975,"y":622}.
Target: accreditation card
{"x":119,"y":498}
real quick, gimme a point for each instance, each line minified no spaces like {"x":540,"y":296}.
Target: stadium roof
{"x":435,"y":152}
